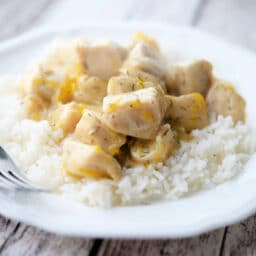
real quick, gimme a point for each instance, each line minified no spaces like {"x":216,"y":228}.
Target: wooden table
{"x":233,"y":20}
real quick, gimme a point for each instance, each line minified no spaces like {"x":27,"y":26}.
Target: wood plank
{"x":83,"y":11}
{"x":175,"y":11}
{"x":17,"y":15}
{"x":178,"y":11}
{"x":19,"y":239}
{"x":241,"y":238}
{"x":208,"y":244}
{"x":233,"y":20}
{"x":7,"y":228}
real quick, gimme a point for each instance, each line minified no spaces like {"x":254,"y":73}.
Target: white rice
{"x":216,"y":154}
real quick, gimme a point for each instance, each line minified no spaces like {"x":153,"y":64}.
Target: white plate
{"x":207,"y":210}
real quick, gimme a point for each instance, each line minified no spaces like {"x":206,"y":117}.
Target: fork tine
{"x":19,"y":178}
{"x":6,"y":182}
{"x":6,"y":160}
{"x":23,"y":182}
{"x":10,"y":177}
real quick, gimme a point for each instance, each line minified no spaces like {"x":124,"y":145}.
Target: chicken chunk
{"x":123,"y":84}
{"x":101,"y":60}
{"x":66,"y":116}
{"x":89,"y":161}
{"x":41,"y":82}
{"x":223,"y":99}
{"x":156,"y":150}
{"x":50,"y":85}
{"x":91,"y":130}
{"x":188,"y":111}
{"x":90,"y":90}
{"x":196,"y":77}
{"x":138,"y":114}
{"x":143,"y":76}
{"x":146,"y":57}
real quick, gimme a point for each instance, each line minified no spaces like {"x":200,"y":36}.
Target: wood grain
{"x":8,"y":228}
{"x":234,"y":20}
{"x":18,"y":15}
{"x":23,"y":240}
{"x":241,"y":238}
{"x":97,"y":11}
{"x":176,"y":11}
{"x":208,"y":244}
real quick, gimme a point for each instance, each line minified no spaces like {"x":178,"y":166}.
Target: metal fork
{"x":10,"y":177}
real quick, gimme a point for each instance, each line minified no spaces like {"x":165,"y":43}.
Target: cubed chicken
{"x":223,"y":99}
{"x":34,"y":107}
{"x":142,"y":37}
{"x":100,"y":59}
{"x":154,"y":150}
{"x":123,"y":84}
{"x":66,"y":117}
{"x":138,"y":114}
{"x":92,"y":130}
{"x":195,"y":77}
{"x":145,"y":56}
{"x":42,"y":82}
{"x":51,"y":85}
{"x":89,"y":161}
{"x":188,"y":111}
{"x":63,"y":58}
{"x":143,"y":76}
{"x":90,"y":90}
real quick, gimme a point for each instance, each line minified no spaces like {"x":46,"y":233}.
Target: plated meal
{"x":110,"y":125}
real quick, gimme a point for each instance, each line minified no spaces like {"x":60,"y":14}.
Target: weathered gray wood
{"x":208,"y":244}
{"x":178,"y":11}
{"x":18,"y":15}
{"x":241,"y":238}
{"x":233,"y":20}
{"x":19,"y":239}
{"x":7,"y":229}
{"x":77,"y":11}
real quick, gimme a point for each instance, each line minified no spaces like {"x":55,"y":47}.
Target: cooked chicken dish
{"x":123,"y":106}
